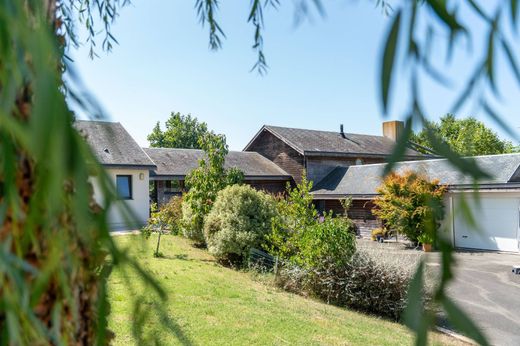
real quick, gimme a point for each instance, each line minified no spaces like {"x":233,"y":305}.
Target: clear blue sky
{"x":323,"y":72}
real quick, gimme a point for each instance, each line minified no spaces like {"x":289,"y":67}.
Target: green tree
{"x":467,"y":137}
{"x":182,"y":131}
{"x":204,"y":183}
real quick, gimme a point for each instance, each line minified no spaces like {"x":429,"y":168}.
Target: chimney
{"x":393,"y":129}
{"x":341,"y":131}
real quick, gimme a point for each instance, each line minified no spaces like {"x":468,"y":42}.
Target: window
{"x":124,"y":186}
{"x":173,"y":187}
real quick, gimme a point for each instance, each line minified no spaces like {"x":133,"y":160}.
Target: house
{"x":320,"y":152}
{"x":496,"y":210}
{"x":127,"y":165}
{"x":172,"y":166}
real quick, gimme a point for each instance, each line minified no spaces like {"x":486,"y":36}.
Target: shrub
{"x":239,"y":220}
{"x":172,"y":214}
{"x":164,"y":220}
{"x":410,"y":204}
{"x":330,"y":242}
{"x":383,"y":232}
{"x":295,"y":214}
{"x":366,"y":283}
{"x":192,"y":223}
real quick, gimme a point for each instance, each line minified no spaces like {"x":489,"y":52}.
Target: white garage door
{"x":498,"y":222}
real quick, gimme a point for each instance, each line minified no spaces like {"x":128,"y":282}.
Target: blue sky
{"x":323,"y":72}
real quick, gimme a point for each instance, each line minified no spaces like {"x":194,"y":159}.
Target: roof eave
{"x":128,"y":166}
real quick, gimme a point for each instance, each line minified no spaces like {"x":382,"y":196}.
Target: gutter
{"x":499,"y":187}
{"x":246,"y":177}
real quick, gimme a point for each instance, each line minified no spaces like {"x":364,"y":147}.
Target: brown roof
{"x":309,"y":142}
{"x":179,"y":162}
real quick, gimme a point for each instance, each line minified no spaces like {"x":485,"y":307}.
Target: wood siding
{"x":271,"y":147}
{"x":360,"y":213}
{"x":164,"y":194}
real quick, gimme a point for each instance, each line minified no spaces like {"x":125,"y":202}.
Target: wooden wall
{"x":274,"y":187}
{"x":360,"y":213}
{"x":269,"y":146}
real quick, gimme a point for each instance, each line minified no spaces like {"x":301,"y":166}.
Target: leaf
{"x":414,"y":316}
{"x":511,"y":58}
{"x":490,"y":57}
{"x":462,"y":322}
{"x":388,"y":60}
{"x":479,"y":10}
{"x":440,"y":9}
{"x":514,"y":12}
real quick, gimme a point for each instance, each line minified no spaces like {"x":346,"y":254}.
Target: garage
{"x":497,"y":218}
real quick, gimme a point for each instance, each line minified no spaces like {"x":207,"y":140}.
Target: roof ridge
{"x":328,"y":131}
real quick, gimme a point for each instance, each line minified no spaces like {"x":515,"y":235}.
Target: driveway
{"x":486,"y":289}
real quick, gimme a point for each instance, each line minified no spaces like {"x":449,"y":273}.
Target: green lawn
{"x":210,"y":304}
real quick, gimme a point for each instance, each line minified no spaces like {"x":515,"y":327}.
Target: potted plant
{"x":426,"y":239}
{"x":378,"y":234}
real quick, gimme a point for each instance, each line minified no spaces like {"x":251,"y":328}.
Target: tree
{"x":411,"y":205}
{"x":204,"y":183}
{"x":182,"y":131}
{"x":467,"y":137}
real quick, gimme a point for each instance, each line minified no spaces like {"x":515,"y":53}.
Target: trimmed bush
{"x":367,"y":283}
{"x":239,"y":220}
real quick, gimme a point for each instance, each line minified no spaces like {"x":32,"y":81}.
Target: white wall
{"x":139,"y":204}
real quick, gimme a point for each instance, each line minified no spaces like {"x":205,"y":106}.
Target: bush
{"x":330,"y":242}
{"x":192,"y":224}
{"x":167,"y":219}
{"x":410,"y":204}
{"x":365,"y":283}
{"x":383,"y":232}
{"x":239,"y":220}
{"x":295,"y":214}
{"x":172,"y":214}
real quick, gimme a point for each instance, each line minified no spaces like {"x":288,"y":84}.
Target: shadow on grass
{"x":142,"y":311}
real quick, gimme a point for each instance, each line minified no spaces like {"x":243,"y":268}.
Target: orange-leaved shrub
{"x":411,"y":204}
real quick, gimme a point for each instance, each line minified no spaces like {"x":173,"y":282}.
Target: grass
{"x":211,"y":304}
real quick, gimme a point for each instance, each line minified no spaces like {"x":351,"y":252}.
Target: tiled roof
{"x":323,"y":142}
{"x":112,"y":145}
{"x":179,"y":162}
{"x":363,"y":180}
